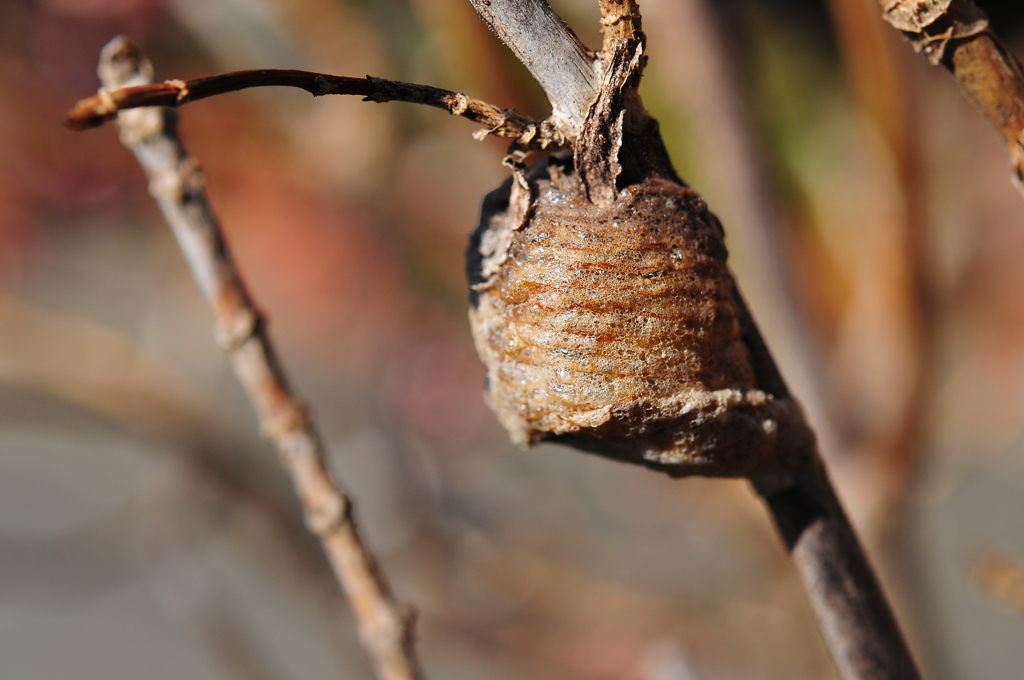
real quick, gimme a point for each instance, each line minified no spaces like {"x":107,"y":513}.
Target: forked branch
{"x":176,"y":184}
{"x":562,"y":64}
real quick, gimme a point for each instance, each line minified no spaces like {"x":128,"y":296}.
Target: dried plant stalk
{"x":176,"y":183}
{"x":956,"y":34}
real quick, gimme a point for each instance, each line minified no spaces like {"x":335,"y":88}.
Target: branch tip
{"x":104,"y":106}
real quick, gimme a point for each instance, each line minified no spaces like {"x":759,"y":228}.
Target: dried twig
{"x":562,"y":65}
{"x":956,"y":34}
{"x":855,"y":617}
{"x":103,"y":107}
{"x":176,"y":183}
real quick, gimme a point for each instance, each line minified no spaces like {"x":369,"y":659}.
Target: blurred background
{"x":146,"y":531}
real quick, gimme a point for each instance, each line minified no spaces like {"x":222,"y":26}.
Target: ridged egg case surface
{"x":615,"y":322}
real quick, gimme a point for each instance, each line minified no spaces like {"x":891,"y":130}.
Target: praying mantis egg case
{"x":616,"y":329}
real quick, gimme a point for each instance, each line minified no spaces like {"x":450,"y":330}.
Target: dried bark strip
{"x":956,"y":34}
{"x":599,"y":142}
{"x":176,"y":183}
{"x":105,"y":105}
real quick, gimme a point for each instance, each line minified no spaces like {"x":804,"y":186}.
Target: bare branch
{"x":956,"y":34}
{"x":176,"y":184}
{"x":104,"y":106}
{"x":852,"y":611}
{"x":562,"y":65}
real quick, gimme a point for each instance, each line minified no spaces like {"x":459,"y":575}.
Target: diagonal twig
{"x":176,"y":183}
{"x":104,"y":106}
{"x":956,"y":34}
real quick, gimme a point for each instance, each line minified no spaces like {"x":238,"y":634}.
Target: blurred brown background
{"x":147,"y":532}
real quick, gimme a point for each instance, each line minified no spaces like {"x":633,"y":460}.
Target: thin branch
{"x":105,"y":105}
{"x":853,"y":613}
{"x":386,"y":628}
{"x":956,"y":35}
{"x":562,"y":65}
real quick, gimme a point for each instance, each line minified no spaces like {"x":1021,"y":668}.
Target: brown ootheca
{"x":616,"y":326}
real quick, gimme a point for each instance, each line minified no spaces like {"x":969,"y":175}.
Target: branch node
{"x":182,"y":87}
{"x":321,"y":87}
{"x":459,"y":104}
{"x":107,"y":106}
{"x":231,"y":332}
{"x":289,"y":419}
{"x":931,"y":25}
{"x":377,"y":94}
